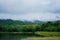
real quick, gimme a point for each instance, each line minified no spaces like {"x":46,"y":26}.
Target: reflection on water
{"x":10,"y":36}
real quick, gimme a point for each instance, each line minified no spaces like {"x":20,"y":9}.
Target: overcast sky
{"x":44,"y":10}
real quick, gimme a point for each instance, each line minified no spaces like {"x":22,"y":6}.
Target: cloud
{"x":32,"y":16}
{"x":26,"y":6}
{"x":30,"y":9}
{"x":55,"y":7}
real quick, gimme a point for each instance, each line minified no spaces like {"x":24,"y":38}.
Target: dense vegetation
{"x":8,"y":25}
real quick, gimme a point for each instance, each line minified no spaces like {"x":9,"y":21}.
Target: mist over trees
{"x":9,"y":25}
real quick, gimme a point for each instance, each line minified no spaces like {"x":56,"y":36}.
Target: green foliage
{"x":9,"y":25}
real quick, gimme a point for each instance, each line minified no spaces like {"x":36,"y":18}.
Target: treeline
{"x":8,"y":25}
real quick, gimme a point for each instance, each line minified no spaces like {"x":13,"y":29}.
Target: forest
{"x":9,"y":25}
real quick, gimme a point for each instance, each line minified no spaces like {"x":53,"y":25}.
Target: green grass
{"x":42,"y":38}
{"x":48,"y":33}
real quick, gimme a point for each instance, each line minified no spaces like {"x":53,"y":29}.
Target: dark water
{"x":14,"y":36}
{"x":18,"y":36}
{"x":9,"y":36}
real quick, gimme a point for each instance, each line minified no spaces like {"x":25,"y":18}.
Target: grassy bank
{"x":42,"y":34}
{"x":42,"y":38}
{"x":48,"y":33}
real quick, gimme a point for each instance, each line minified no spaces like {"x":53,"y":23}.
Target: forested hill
{"x":9,"y":25}
{"x":20,"y":22}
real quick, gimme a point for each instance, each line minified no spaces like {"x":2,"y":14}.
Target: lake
{"x":18,"y":36}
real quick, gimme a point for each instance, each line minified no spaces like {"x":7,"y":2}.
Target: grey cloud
{"x":29,"y":6}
